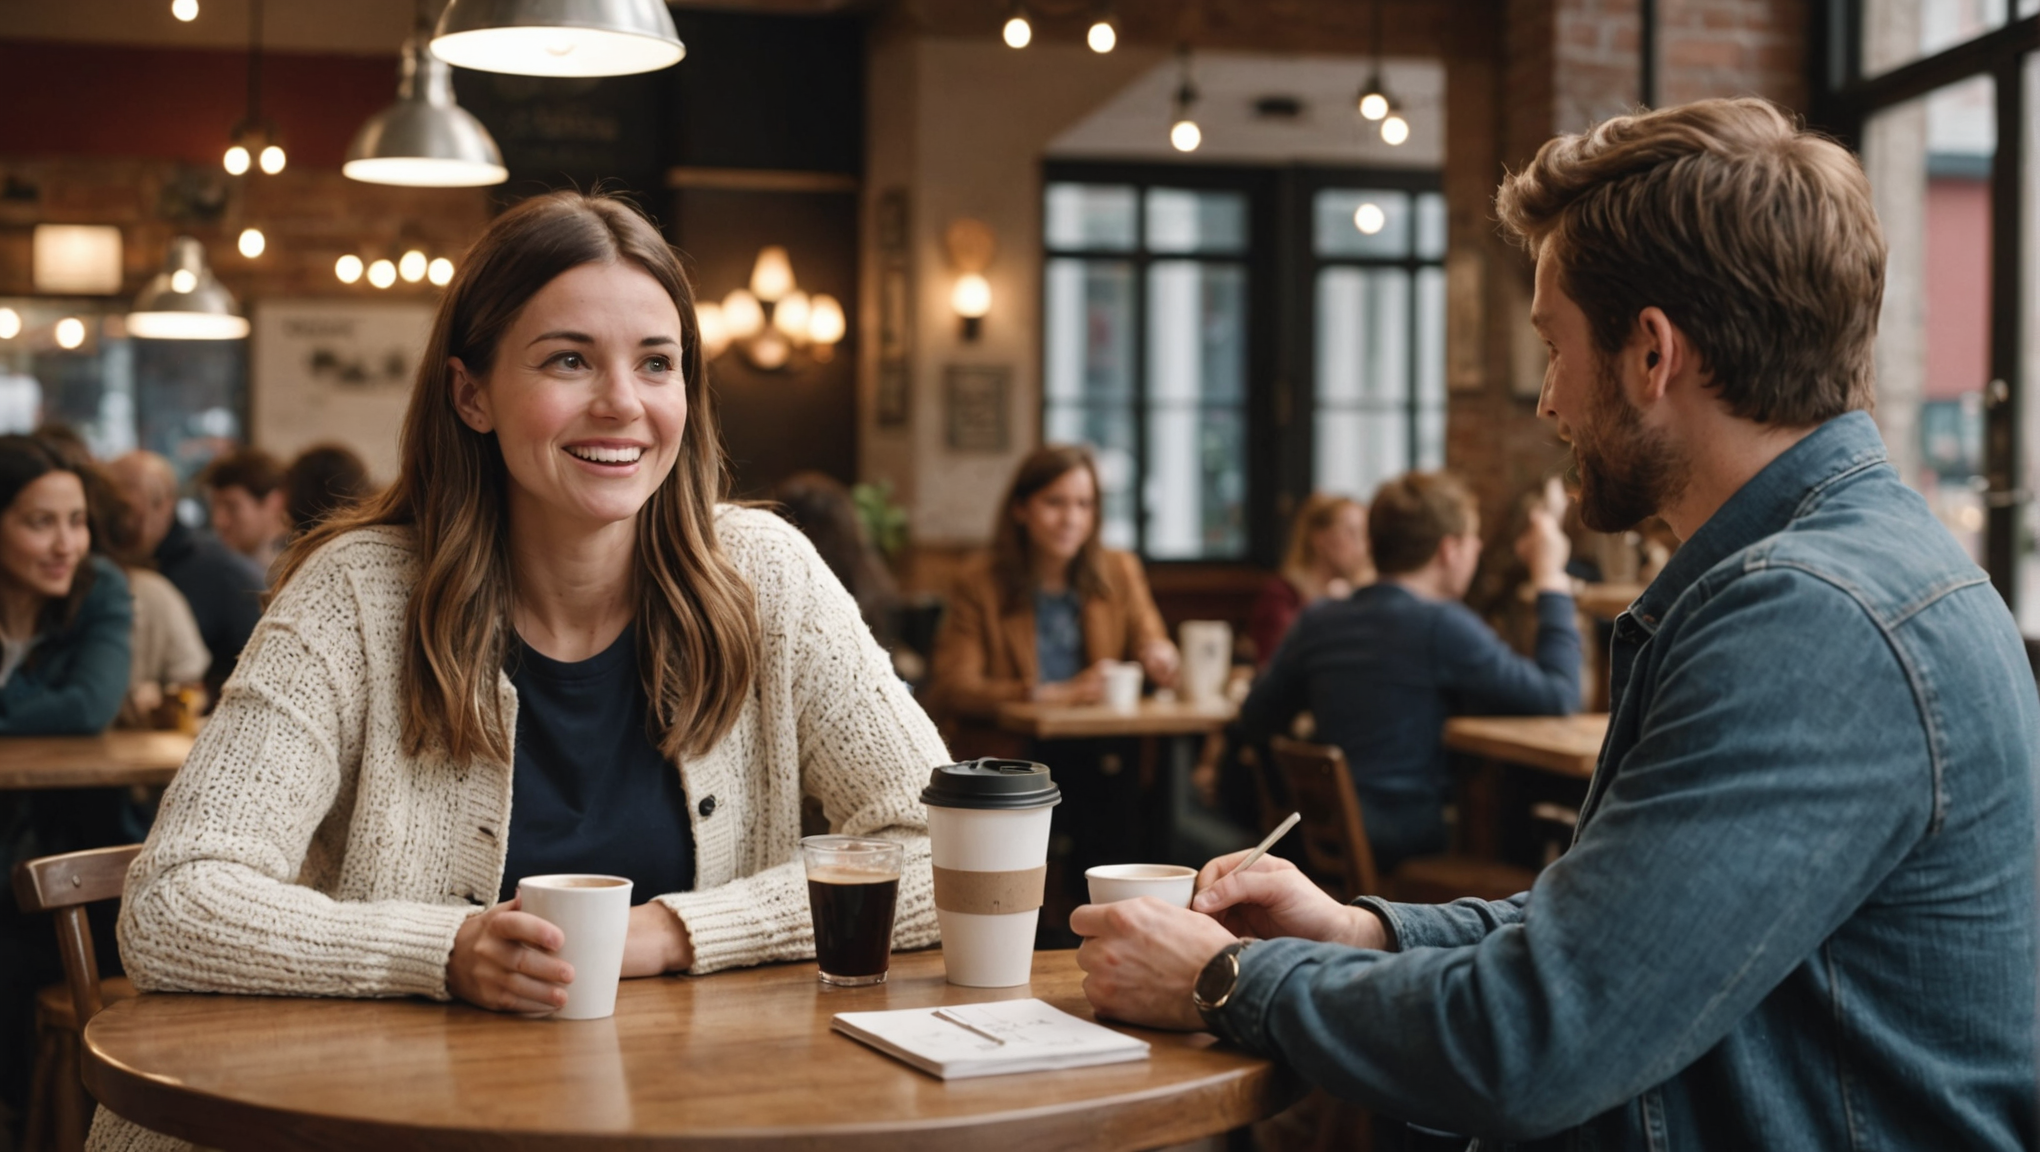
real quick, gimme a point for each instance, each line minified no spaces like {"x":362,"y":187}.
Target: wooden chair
{"x":59,"y":1111}
{"x":1337,"y":855}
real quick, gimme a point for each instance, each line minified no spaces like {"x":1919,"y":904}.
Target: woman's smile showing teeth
{"x":606,"y":454}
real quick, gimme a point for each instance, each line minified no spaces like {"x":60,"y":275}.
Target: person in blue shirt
{"x":1799,"y":911}
{"x":1380,"y":670}
{"x":65,"y":613}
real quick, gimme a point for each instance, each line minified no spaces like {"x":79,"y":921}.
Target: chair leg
{"x":35,"y":1136}
{"x":73,"y":1108}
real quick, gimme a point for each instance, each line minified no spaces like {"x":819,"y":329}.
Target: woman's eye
{"x":573,"y":361}
{"x":659,"y":364}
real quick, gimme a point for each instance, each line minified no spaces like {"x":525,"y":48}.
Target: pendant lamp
{"x":184,"y":301}
{"x":424,"y":140}
{"x":558,"y":37}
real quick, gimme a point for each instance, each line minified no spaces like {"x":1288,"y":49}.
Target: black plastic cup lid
{"x":990,"y":783}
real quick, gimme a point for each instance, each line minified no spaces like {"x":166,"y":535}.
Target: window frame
{"x":1844,"y":102}
{"x":1281,"y":264}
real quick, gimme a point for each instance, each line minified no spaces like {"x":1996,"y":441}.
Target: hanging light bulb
{"x":272,"y":159}
{"x":424,"y":139}
{"x":236,"y":160}
{"x":184,"y":301}
{"x":1104,"y":35}
{"x":184,"y":10}
{"x":558,"y":37}
{"x":252,"y":242}
{"x":70,"y":332}
{"x":440,"y":272}
{"x":743,"y":317}
{"x":1184,"y":134}
{"x":1394,"y":129}
{"x":348,"y":268}
{"x":10,"y":323}
{"x":382,"y":273}
{"x":1018,"y":32}
{"x":826,"y":325}
{"x":1372,"y":102}
{"x":1369,"y":218}
{"x":412,"y":266}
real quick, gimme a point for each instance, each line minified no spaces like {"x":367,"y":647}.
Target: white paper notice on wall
{"x":336,"y":372}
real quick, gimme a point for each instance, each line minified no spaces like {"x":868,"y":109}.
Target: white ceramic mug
{"x":593,"y":914}
{"x":1169,"y":883}
{"x":1123,"y":679}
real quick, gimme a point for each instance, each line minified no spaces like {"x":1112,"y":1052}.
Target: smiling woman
{"x":549,"y":603}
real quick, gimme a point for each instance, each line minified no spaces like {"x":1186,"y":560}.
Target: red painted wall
{"x":1958,"y":287}
{"x":180,"y":104}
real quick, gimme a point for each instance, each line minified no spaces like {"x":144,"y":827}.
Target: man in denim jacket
{"x":1800,"y":910}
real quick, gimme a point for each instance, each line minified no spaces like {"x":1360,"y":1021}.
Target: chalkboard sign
{"x":559,"y":132}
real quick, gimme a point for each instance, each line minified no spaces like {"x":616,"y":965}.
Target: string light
{"x":1373,"y":101}
{"x":1184,"y":134}
{"x":272,"y":159}
{"x":411,"y":266}
{"x":1394,"y":129}
{"x":10,"y":323}
{"x":348,"y":268}
{"x":185,"y":10}
{"x":1019,"y":33}
{"x":236,"y":160}
{"x":252,"y":242}
{"x":70,"y":332}
{"x":1369,"y":218}
{"x":382,"y":273}
{"x":440,"y":272}
{"x":1104,"y":34}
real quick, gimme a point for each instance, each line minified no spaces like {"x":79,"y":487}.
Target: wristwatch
{"x":1214,"y":987}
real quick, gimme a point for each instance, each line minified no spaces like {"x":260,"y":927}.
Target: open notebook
{"x":965,"y":1040}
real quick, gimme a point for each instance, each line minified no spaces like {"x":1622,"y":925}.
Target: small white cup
{"x":1122,"y":686}
{"x":1169,"y":883}
{"x":593,"y":914}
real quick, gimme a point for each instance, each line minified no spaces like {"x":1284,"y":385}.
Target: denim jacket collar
{"x":1763,"y":507}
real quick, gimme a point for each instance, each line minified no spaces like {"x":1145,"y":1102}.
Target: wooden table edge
{"x":1458,"y":739}
{"x":163,"y":1104}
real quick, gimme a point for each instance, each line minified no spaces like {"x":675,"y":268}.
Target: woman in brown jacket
{"x":1037,"y":616}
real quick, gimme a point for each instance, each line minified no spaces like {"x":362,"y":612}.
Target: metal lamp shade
{"x":425,"y":140}
{"x":558,"y":37}
{"x":202,"y":310}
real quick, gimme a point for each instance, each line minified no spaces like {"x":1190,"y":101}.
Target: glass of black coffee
{"x":853,"y":884}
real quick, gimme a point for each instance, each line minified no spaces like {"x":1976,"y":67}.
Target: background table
{"x":1567,"y":745}
{"x":737,"y":1060}
{"x":1094,"y":721}
{"x":111,"y":760}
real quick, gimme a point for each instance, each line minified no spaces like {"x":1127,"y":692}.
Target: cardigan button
{"x":707,"y":806}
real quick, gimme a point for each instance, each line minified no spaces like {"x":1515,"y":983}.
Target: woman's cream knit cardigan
{"x":301,"y":852}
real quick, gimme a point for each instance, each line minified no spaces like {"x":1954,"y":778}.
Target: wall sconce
{"x":772,"y":318}
{"x":971,"y":247}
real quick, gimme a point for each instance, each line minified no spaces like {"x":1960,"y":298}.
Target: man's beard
{"x":1624,"y":472}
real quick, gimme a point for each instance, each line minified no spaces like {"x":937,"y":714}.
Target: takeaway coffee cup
{"x":1169,"y":883}
{"x":1207,"y":659}
{"x":593,"y":914}
{"x":1122,"y":685}
{"x":988,"y":826}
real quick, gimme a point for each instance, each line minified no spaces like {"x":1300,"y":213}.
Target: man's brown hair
{"x":249,"y":468}
{"x":1413,"y":514}
{"x":1757,"y":239}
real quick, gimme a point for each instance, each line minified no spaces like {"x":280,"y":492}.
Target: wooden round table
{"x":737,"y":1060}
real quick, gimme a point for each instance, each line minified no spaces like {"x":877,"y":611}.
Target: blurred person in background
{"x":244,"y":496}
{"x":1327,"y":560}
{"x":324,"y":479}
{"x":823,"y":510}
{"x":222,"y":587}
{"x":1381,"y":670}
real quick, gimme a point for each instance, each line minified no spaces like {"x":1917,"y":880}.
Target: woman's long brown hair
{"x":1011,"y":553}
{"x":696,"y":619}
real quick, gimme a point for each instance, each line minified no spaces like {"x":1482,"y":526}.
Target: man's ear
{"x":468,"y":397}
{"x":1656,"y":356}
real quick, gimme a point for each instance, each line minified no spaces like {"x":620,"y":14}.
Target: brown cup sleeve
{"x":989,"y":893}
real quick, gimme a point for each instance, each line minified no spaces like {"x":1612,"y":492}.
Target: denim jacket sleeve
{"x":1489,"y":676}
{"x":1758,"y":809}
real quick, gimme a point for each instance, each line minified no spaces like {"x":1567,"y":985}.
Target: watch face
{"x":1216,"y":982}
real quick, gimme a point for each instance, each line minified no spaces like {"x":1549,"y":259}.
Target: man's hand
{"x":1162,"y":662}
{"x":1143,"y":957}
{"x":1273,"y":899}
{"x":1544,"y":549}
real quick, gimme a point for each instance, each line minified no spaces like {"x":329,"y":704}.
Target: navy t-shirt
{"x":591,"y":792}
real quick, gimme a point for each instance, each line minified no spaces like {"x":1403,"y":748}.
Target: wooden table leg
{"x":1480,"y":810}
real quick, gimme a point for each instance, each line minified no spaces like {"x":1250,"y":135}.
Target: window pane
{"x":1431,"y":226}
{"x":1362,"y":222}
{"x":1363,"y":335}
{"x":1089,"y":353}
{"x":1091,"y":216}
{"x":1197,"y":332}
{"x":1356,"y":450}
{"x":1109,"y":432}
{"x":1430,"y":368}
{"x":1929,"y":162}
{"x":1898,"y":32}
{"x":1196,"y":483}
{"x":1182,"y":220}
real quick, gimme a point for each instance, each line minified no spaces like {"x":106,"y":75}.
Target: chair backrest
{"x":1335,"y":849}
{"x":64,"y":885}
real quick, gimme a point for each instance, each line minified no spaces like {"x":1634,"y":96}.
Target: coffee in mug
{"x":988,"y":824}
{"x":593,"y":915}
{"x":853,"y":890}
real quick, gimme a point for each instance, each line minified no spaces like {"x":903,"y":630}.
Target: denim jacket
{"x":1799,"y":911}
